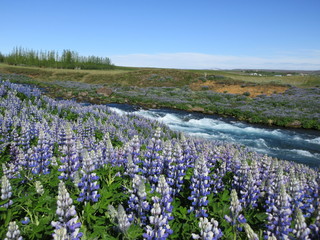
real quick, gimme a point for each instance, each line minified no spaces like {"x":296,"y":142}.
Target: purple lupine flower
{"x":167,"y":158}
{"x":217,"y":176}
{"x":166,"y":193}
{"x":176,"y":170}
{"x":208,"y":230}
{"x":68,"y":218}
{"x":159,"y":227}
{"x":279,"y":215}
{"x":130,"y":167}
{"x":24,"y":138}
{"x":235,"y":217}
{"x":13,"y":232}
{"x":138,"y":206}
{"x":249,"y":186}
{"x":300,"y":230}
{"x":11,"y":170}
{"x":186,"y":151}
{"x":88,"y":184}
{"x":200,"y":188}
{"x":70,"y":160}
{"x":315,"y":227}
{"x":42,"y":154}
{"x":6,"y":191}
{"x":135,"y":145}
{"x":310,"y":192}
{"x":152,"y":164}
{"x":25,"y":221}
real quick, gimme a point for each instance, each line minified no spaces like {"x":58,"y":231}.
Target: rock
{"x":270,"y":122}
{"x":197,"y":109}
{"x":104,"y":91}
{"x":69,"y":94}
{"x":294,"y":124}
{"x":83,"y":94}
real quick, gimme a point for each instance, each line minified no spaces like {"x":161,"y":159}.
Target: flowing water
{"x":302,"y":146}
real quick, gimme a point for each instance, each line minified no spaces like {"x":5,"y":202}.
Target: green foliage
{"x":99,"y":135}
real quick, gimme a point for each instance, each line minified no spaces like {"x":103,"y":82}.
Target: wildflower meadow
{"x":75,"y":171}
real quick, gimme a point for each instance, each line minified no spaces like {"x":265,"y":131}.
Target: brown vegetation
{"x":239,"y":88}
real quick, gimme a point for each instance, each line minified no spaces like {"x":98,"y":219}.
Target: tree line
{"x":52,"y":59}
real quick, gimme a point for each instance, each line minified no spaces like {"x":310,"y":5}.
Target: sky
{"x":203,"y":34}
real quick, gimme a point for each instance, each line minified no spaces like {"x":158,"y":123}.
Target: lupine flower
{"x":68,"y":218}
{"x":135,"y":145}
{"x":39,"y":187}
{"x":70,"y":160}
{"x":54,"y":161}
{"x":200,"y":188}
{"x":6,"y":191}
{"x":123,"y":221}
{"x":88,"y":184}
{"x":159,"y":228}
{"x":60,"y":234}
{"x":315,"y":227}
{"x":235,"y":217}
{"x":26,"y":220}
{"x":153,"y":164}
{"x":13,"y":232}
{"x":160,"y":213}
{"x":300,"y":230}
{"x":42,"y":154}
{"x":208,"y":230}
{"x":120,"y":218}
{"x":250,"y":233}
{"x":130,"y":167}
{"x":138,"y":206}
{"x":279,"y":215}
{"x":216,"y":178}
{"x":176,"y":170}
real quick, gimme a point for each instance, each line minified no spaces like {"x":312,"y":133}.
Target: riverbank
{"x":292,"y":107}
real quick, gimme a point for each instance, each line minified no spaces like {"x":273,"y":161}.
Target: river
{"x":301,"y":146}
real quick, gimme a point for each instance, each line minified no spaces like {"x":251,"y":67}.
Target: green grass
{"x":155,"y":77}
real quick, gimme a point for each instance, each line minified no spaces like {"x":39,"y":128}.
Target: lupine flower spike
{"x":235,"y":217}
{"x":68,"y":218}
{"x":6,"y":191}
{"x":208,"y":230}
{"x":13,"y":232}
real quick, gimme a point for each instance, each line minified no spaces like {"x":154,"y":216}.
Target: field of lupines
{"x":70,"y":171}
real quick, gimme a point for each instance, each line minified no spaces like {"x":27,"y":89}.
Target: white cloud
{"x":310,"y":61}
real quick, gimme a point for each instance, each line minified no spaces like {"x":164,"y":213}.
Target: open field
{"x":145,"y":77}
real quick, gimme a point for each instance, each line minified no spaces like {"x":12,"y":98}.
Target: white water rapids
{"x":302,"y":146}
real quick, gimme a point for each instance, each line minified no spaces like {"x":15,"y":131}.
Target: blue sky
{"x":200,"y":34}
